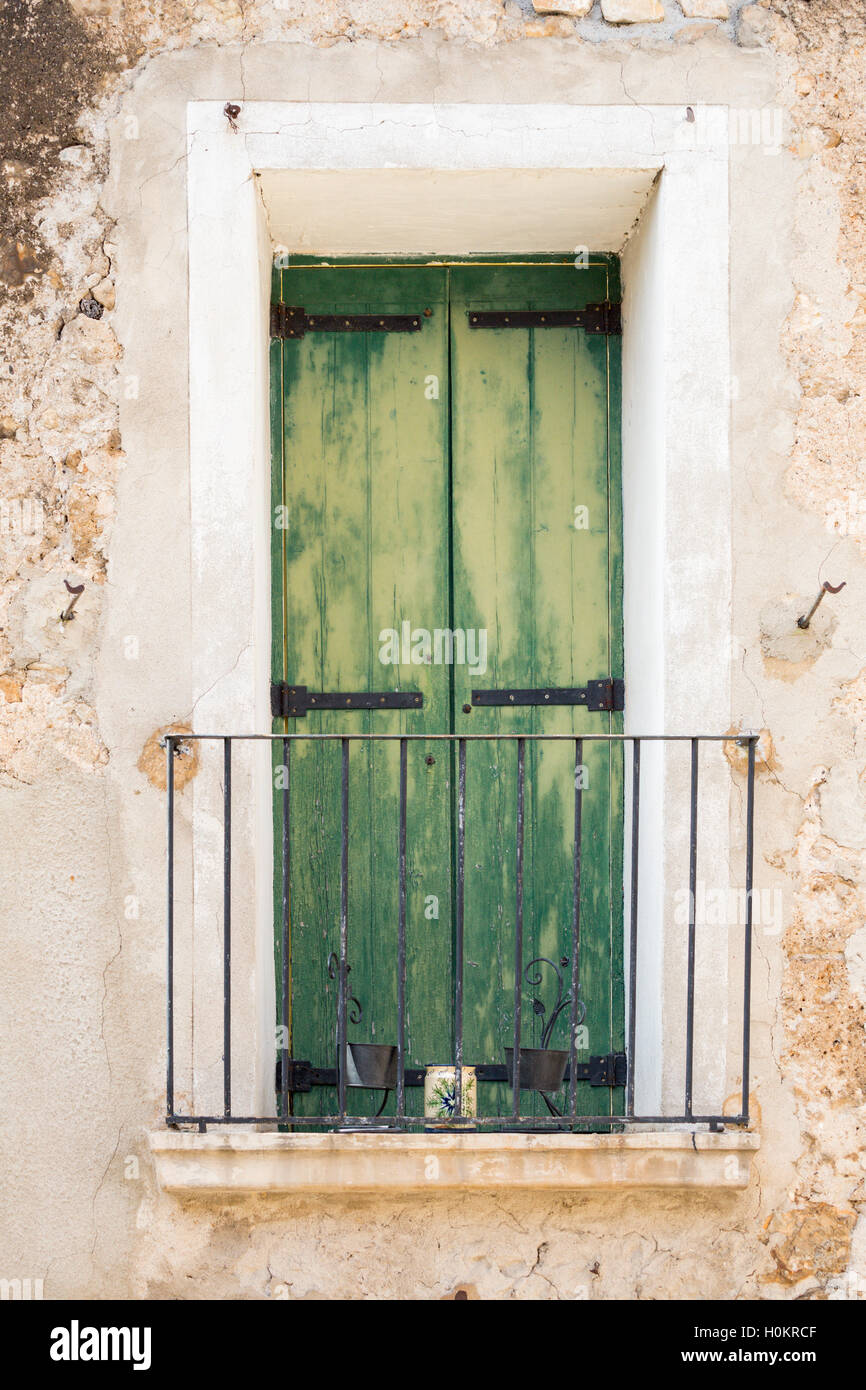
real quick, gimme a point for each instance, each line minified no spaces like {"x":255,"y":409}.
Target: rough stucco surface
{"x":79,"y":699}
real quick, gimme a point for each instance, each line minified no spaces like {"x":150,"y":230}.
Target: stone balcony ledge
{"x":228,"y":1161}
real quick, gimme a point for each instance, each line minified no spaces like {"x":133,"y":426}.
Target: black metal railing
{"x":614,"y":1070}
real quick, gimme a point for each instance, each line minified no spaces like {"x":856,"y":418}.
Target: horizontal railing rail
{"x":295,"y":1076}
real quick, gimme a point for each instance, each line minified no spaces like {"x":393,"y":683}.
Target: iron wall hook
{"x":76,"y":590}
{"x":826,"y":588}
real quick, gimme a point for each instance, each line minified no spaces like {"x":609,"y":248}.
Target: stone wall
{"x":81,"y":802}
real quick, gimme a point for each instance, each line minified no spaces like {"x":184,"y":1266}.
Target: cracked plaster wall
{"x":94,"y":492}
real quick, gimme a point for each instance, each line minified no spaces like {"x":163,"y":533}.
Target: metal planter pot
{"x":541,"y":1068}
{"x":371,"y":1065}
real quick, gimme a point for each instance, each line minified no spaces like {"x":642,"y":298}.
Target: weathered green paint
{"x":366,"y":546}
{"x":449,"y":510}
{"x":530,"y":446}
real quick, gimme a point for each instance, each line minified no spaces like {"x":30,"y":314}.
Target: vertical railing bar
{"x":227,"y":926}
{"x":518,"y":930}
{"x":747,"y":945}
{"x":342,"y":1045}
{"x":690,"y":985}
{"x":458,"y":953}
{"x":401,"y":940}
{"x":286,"y":850}
{"x":575,"y":919}
{"x":169,"y":920}
{"x":632,"y":963}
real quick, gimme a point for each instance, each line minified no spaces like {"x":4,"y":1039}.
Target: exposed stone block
{"x":575,"y":9}
{"x":632,"y":11}
{"x":705,"y":9}
{"x":10,"y":688}
{"x":103,"y":293}
{"x":815,"y":1242}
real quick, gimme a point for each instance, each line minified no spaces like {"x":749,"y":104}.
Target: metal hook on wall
{"x":76,"y":590}
{"x":826,"y":588}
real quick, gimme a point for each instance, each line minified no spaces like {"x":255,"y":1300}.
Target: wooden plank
{"x":530,"y":446}
{"x":366,"y":469}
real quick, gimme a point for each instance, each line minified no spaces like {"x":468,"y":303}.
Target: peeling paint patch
{"x":152,"y":761}
{"x":813,"y":1241}
{"x":737,"y":753}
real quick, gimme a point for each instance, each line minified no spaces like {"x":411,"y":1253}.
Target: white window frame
{"x":676,"y":469}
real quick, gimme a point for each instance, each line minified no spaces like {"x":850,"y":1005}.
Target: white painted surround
{"x":641,"y":180}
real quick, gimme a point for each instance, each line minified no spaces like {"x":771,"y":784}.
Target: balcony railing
{"x":696,"y":1028}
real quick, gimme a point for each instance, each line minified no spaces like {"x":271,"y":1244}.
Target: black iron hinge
{"x":610,"y":1069}
{"x":295,"y":701}
{"x":299,"y":1076}
{"x":293,"y":321}
{"x":604,"y":318}
{"x":601,"y":695}
{"x":595,"y":319}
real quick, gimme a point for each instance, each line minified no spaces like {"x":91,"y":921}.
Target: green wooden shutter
{"x":432,"y":478}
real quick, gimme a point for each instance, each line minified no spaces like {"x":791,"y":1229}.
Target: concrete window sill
{"x":220,"y":1162}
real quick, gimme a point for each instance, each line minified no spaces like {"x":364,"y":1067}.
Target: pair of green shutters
{"x":448,"y":493}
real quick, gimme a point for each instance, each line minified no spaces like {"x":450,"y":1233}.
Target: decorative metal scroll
{"x":561,"y":1003}
{"x":353,"y":1005}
